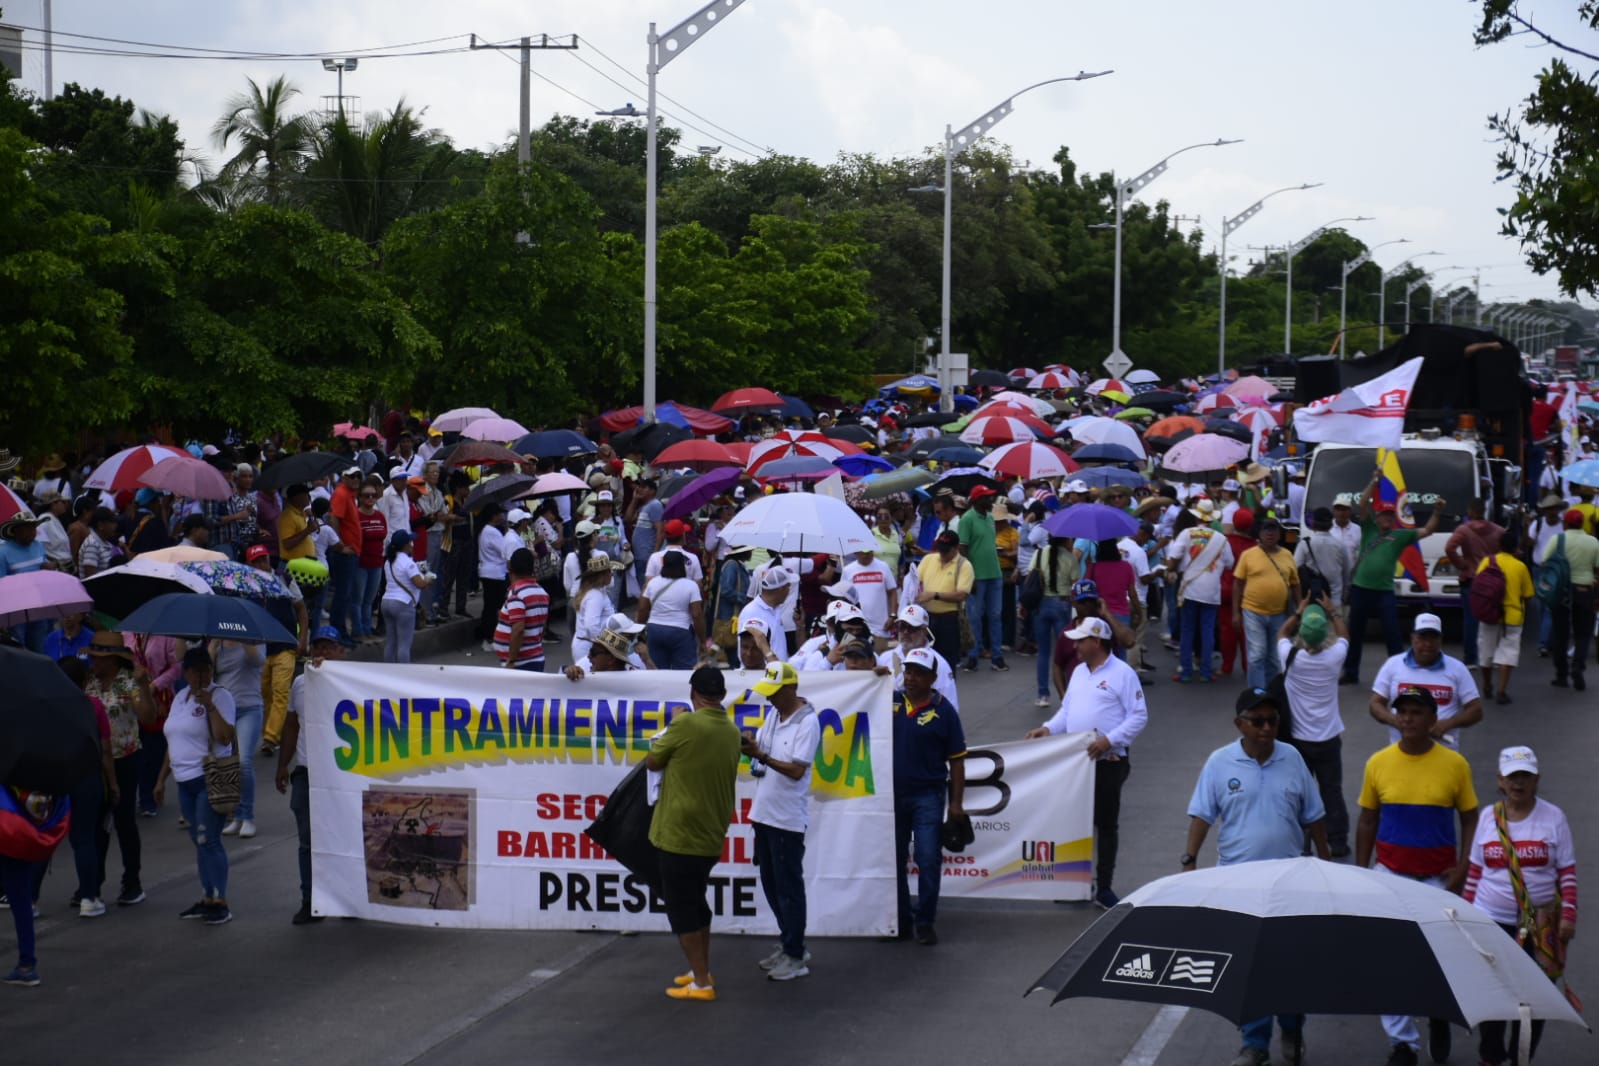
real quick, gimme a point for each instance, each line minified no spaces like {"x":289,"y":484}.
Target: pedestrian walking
{"x":1265,"y":588}
{"x":1499,"y":632}
{"x":1571,"y":628}
{"x":929,"y":785}
{"x":1445,"y":677}
{"x":404,"y":588}
{"x":1313,"y":645}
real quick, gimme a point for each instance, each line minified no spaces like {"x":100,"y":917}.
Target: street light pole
{"x":1350,"y":266}
{"x":1228,"y":225}
{"x":1382,"y":300}
{"x":954,"y":144}
{"x":1288,"y":271}
{"x":663,"y":48}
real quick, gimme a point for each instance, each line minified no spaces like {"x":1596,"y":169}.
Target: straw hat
{"x":1252,"y":473}
{"x":615,"y":643}
{"x":106,"y":642}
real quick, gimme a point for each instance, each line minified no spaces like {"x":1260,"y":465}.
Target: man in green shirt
{"x":697,"y":757}
{"x":1573,"y":618}
{"x":1371,"y":591}
{"x":976,"y":531}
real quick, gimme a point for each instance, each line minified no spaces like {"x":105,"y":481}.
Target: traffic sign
{"x":1117,"y":364}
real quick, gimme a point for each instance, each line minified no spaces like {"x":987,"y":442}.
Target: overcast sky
{"x":1383,"y":101}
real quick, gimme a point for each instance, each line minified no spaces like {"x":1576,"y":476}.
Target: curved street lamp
{"x":1382,"y":302}
{"x":1288,"y":273}
{"x":1350,"y":266}
{"x":1228,"y":225}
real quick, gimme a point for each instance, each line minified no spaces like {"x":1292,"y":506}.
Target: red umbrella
{"x":188,"y":477}
{"x":740,"y":400}
{"x":353,"y":431}
{"x":1030,"y":460}
{"x":777,"y":448}
{"x":1004,"y":429}
{"x":701,"y":455}
{"x":481,"y":453}
{"x":703,"y":423}
{"x":1050,"y":379}
{"x":10,"y":503}
{"x":740,"y":450}
{"x":122,"y":471}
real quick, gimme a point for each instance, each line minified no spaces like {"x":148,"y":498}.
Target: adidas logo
{"x":1140,"y":968}
{"x":1194,"y":971}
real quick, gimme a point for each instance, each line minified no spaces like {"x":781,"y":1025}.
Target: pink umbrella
{"x":497,"y":429}
{"x":10,"y":503}
{"x":1004,"y":429}
{"x":455,"y":420}
{"x":41,"y":594}
{"x":1204,"y":452}
{"x":1030,"y":460}
{"x":555,"y":483}
{"x":1250,"y":386}
{"x":188,"y":477}
{"x":1050,"y":379}
{"x":121,"y":472}
{"x":779,"y":448}
{"x":353,"y":431}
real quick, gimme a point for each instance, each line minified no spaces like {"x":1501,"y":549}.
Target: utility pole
{"x":527,"y":45}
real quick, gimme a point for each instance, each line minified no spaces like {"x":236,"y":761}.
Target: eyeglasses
{"x":369,"y":495}
{"x":1259,"y":721}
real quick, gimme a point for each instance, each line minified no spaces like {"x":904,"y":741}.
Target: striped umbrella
{"x":1029,"y":460}
{"x":121,"y":472}
{"x":1214,"y":402}
{"x":1004,"y":429}
{"x":778,"y":448}
{"x":1050,"y":379}
{"x":10,"y":503}
{"x":1023,"y":372}
{"x":1105,"y":385}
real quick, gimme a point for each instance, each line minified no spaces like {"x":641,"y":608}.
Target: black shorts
{"x":684,"y":879}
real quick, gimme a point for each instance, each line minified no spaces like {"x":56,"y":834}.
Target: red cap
{"x":1243,"y":519}
{"x":1382,"y":507}
{"x":256,"y":551}
{"x":1573,"y":519}
{"x":980,"y":491}
{"x":616,"y":466}
{"x":676,"y":528}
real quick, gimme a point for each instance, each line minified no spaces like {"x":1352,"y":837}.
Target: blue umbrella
{"x":914,"y":383}
{"x":965,"y":401}
{"x":554,"y":444}
{"x":1583,"y":472}
{"x":958,"y":456}
{"x":794,"y":407}
{"x":1106,"y":453}
{"x":183,"y":614}
{"x":1091,"y":521}
{"x":1098,"y":477}
{"x":800,"y":466}
{"x":861,"y":465}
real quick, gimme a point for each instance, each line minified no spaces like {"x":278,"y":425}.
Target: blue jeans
{"x":982,"y":611}
{"x":670,"y":647}
{"x":919,"y":814}
{"x":1365,"y":604}
{"x":1257,"y":1034}
{"x":1048,"y":621}
{"x":780,"y":855}
{"x":1260,"y":644}
{"x":342,"y":571}
{"x":1468,"y":626}
{"x":1198,"y":627}
{"x":300,"y":804}
{"x":368,"y":580}
{"x":17,"y":878}
{"x":1126,"y":620}
{"x":248,"y":724}
{"x":205,"y":829}
{"x":1173,"y":613}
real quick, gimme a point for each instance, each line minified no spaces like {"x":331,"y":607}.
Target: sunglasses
{"x":369,"y":495}
{"x":1260,"y":721}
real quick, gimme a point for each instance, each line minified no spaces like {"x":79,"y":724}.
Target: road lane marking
{"x":1156,"y":1035}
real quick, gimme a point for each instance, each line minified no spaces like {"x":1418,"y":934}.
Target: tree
{"x":271,"y":143}
{"x":96,"y":146}
{"x":362,"y":180}
{"x":1549,"y":152}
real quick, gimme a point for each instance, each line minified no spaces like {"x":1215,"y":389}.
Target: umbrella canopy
{"x":479,"y":453}
{"x":555,"y":483}
{"x":180,"y":553}
{"x":1103,"y":385}
{"x":1091,"y":521}
{"x":957,"y":455}
{"x":302,"y":468}
{"x":861,"y":465}
{"x":1142,"y":377}
{"x":923,"y":449}
{"x":1025,"y":373}
{"x":701,"y":455}
{"x":500,"y":489}
{"x":988,"y":379}
{"x":1260,"y":422}
{"x":800,"y":522}
{"x":857,"y":435}
{"x":48,"y":738}
{"x":1106,"y":453}
{"x":122,"y":471}
{"x":554,"y":444}
{"x":1098,"y":477}
{"x":794,"y":407}
{"x":702,"y":490}
{"x":353,"y":431}
{"x":785,"y":447}
{"x":1214,"y":403}
{"x":915,"y":385}
{"x":1004,"y":429}
{"x":122,"y":590}
{"x":652,"y":439}
{"x":1127,"y":413}
{"x":1163,"y":400}
{"x":495,"y":429}
{"x":797,"y":468}
{"x":188,"y":477}
{"x":930,"y":418}
{"x":1172,"y":425}
{"x":41,"y":594}
{"x":179,"y":614}
{"x":1250,"y":386}
{"x":1233,"y":940}
{"x":702,"y":423}
{"x":1029,"y":460}
{"x":738,"y":401}
{"x":1226,"y":427}
{"x":1097,"y":430}
{"x":902,"y":480}
{"x":10,"y":503}
{"x":1582,"y":472}
{"x":1203,"y":453}
{"x":1049,"y":379}
{"x":236,"y":579}
{"x":1036,"y":404}
{"x":454,"y":420}
{"x":963,"y":479}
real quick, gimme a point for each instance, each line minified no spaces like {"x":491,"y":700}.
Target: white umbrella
{"x":1040,"y":407}
{"x":455,"y":420}
{"x":1142,"y":377}
{"x":800,"y":522}
{"x":494,"y":428}
{"x":1097,"y":430}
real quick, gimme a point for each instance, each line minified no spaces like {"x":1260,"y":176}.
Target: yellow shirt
{"x":1518,"y":586}
{"x":1267,"y":579}
{"x":1590,"y":518}
{"x":938,"y":578}
{"x":290,"y":523}
{"x":1006,"y":540}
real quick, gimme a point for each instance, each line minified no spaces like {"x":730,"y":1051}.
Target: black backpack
{"x":1278,"y":687}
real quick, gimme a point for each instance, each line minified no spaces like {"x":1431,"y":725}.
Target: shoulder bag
{"x":1538,"y":925}
{"x":223,"y":777}
{"x":1199,"y":564}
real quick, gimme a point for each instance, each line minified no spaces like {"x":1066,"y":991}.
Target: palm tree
{"x":271,"y":142}
{"x":363,"y":178}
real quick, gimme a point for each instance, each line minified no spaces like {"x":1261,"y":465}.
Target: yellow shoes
{"x":683,"y":987}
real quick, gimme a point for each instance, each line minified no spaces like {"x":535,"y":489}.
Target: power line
{"x":236,"y":53}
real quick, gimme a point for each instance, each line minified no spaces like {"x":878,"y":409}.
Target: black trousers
{"x":1109,"y":777}
{"x":1573,"y":625}
{"x":1325,"y":758}
{"x":946,"y":630}
{"x":493,"y":600}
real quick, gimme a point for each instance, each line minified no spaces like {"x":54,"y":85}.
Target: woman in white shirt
{"x":200,"y":723}
{"x":673,"y":616}
{"x":591,"y":603}
{"x":401,"y":596}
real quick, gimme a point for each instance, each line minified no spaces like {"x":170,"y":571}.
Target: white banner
{"x":457,"y":797}
{"x":1371,"y":414}
{"x":1032,"y":809}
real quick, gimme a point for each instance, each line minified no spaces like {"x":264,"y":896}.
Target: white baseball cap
{"x":1077,"y":486}
{"x":848,"y":612}
{"x":913,"y":614}
{"x":1428,"y":623}
{"x":776,"y":577}
{"x":755,"y":625}
{"x":923,"y":657}
{"x":1517,"y":760}
{"x":621,"y":623}
{"x":605,"y":496}
{"x":517,"y":515}
{"x":1231,"y":485}
{"x":1090,"y":627}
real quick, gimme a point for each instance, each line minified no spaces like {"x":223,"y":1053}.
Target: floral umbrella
{"x":236,"y":579}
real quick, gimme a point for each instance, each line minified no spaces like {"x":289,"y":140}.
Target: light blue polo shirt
{"x":1259,"y":811}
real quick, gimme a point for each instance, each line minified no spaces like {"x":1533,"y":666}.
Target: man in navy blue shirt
{"x":929,"y":749}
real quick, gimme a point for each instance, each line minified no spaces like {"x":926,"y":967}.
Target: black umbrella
{"x":923,"y":449}
{"x":301,"y":468}
{"x":182,"y":614}
{"x":499,"y":490}
{"x":651,"y":439}
{"x":1160,"y":444}
{"x":555,"y":444}
{"x":930,"y":418}
{"x":1163,"y":399}
{"x":989,"y":377}
{"x":1227,"y":428}
{"x":963,"y":479}
{"x":854,"y":434}
{"x":48,"y":739}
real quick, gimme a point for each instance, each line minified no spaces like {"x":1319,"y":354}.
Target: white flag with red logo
{"x":1371,"y":414}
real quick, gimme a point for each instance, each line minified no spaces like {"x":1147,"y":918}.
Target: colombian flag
{"x":1391,"y":491}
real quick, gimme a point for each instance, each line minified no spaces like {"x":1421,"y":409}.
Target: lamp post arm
{"x":675,"y":41}
{"x":965,"y":136}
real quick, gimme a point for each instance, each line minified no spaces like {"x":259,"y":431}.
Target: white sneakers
{"x":232,"y":828}
{"x":91,"y":908}
{"x":246,"y":829}
{"x":780,"y":967}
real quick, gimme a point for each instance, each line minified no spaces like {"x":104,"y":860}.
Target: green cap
{"x":1313,"y":626}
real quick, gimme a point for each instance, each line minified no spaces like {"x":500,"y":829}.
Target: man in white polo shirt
{"x":780,"y":755}
{"x":1104,"y":697}
{"x":767,"y":605}
{"x":1446,"y":677}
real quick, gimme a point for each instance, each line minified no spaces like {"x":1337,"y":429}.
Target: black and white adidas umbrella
{"x":1302,"y":936}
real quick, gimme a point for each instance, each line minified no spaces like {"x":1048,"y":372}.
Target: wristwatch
{"x":1185,"y":859}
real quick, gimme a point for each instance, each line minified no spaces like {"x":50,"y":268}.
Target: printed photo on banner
{"x":418,"y":847}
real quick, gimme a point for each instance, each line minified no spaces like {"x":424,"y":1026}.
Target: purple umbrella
{"x":1091,"y":521}
{"x":702,"y":490}
{"x":41,"y":594}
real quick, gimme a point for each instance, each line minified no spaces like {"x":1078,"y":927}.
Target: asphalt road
{"x":139,"y":986}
